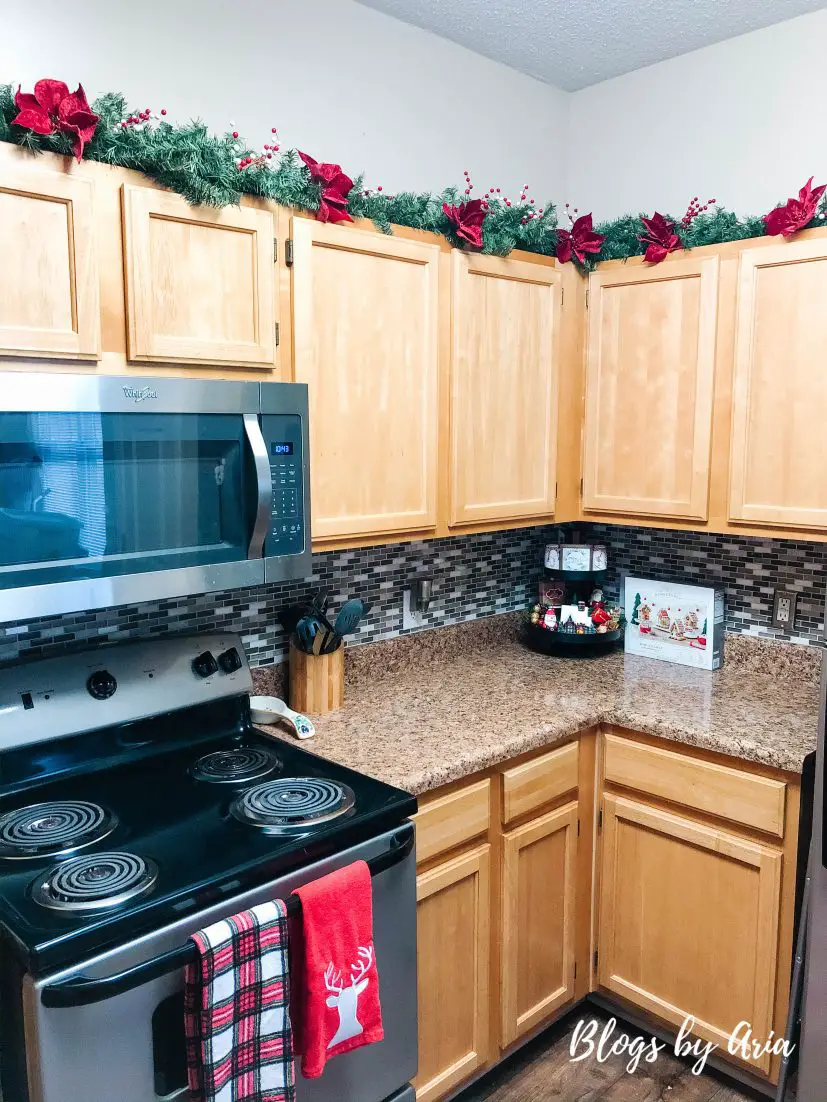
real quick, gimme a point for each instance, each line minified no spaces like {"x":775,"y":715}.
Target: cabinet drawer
{"x":539,"y":781}
{"x":448,"y":821}
{"x":719,"y":790}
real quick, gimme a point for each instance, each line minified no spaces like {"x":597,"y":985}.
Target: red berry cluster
{"x":695,"y":208}
{"x":142,"y":118}
{"x":264,"y":155}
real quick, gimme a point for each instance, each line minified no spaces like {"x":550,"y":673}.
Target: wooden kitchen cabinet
{"x":778,"y":469}
{"x":649,"y":389}
{"x":49,"y":281}
{"x":505,"y":366}
{"x":200,"y":282}
{"x":538,"y":921}
{"x":366,"y":341}
{"x":689,"y":918}
{"x":453,"y":957}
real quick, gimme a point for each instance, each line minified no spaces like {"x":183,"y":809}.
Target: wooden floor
{"x":543,"y":1072}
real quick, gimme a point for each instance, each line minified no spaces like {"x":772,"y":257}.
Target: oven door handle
{"x":85,"y":992}
{"x":264,"y":485}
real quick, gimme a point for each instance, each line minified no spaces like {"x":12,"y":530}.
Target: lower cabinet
{"x":689,"y":918}
{"x":453,"y":952}
{"x":538,"y":895}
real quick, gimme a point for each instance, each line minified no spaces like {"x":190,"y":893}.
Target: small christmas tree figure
{"x":704,"y":631}
{"x":635,"y":619}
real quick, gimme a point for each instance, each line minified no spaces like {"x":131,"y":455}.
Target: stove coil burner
{"x":95,"y":882}
{"x":293,"y":805}
{"x":245,"y":763}
{"x":53,"y":829}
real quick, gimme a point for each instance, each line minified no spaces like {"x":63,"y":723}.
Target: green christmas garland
{"x":203,"y":168}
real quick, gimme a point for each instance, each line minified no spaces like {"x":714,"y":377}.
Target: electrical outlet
{"x":783,"y":609}
{"x":411,"y":618}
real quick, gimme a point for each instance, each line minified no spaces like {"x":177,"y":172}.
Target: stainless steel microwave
{"x":121,"y":490}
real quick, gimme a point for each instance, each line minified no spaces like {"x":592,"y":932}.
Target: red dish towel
{"x":239,"y":1042}
{"x":335,"y":980}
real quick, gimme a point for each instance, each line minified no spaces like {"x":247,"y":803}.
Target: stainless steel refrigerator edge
{"x":250,"y":404}
{"x":812,"y":1069}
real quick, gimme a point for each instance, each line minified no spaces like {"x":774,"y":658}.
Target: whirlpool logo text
{"x":142,"y":395}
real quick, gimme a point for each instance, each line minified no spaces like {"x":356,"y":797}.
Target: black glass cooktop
{"x":146,"y":823}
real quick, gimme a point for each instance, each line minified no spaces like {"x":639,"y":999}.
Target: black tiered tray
{"x":568,"y":644}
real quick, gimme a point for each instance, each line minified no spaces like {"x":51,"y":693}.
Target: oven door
{"x":118,"y":490}
{"x":130,"y":1047}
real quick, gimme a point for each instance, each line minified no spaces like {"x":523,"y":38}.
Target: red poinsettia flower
{"x":335,"y":187}
{"x":467,"y":220}
{"x":660,"y":238}
{"x":579,"y":240}
{"x":796,"y":213}
{"x":53,"y":107}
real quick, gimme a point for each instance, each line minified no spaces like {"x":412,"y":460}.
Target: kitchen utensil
{"x":349,"y":616}
{"x":306,"y":630}
{"x":268,"y":709}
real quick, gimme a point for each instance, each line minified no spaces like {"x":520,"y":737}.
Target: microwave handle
{"x":264,"y":485}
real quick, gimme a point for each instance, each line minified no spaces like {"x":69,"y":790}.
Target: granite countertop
{"x":432,"y":708}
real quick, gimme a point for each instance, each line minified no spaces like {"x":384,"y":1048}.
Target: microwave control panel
{"x":283,"y":436}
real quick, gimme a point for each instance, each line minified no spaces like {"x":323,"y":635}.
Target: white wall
{"x":744,"y":122}
{"x":343,"y":82}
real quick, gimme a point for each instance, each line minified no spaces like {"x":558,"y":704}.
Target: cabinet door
{"x":366,"y":343}
{"x":778,"y":471}
{"x":504,"y":368}
{"x":538,"y":894}
{"x":49,"y":295}
{"x":688,"y":921}
{"x":649,"y":389}
{"x":200,"y":283}
{"x":453,"y":959}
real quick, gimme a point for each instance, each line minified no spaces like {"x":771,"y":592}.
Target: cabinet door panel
{"x":649,"y":389}
{"x":778,"y":472}
{"x":49,"y":294}
{"x":538,"y":920}
{"x":453,"y":959}
{"x":506,"y":322}
{"x":688,"y":921}
{"x":367,"y":344}
{"x":200,"y":283}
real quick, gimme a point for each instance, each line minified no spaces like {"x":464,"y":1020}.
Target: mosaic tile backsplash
{"x":749,"y":570}
{"x":473,"y":576}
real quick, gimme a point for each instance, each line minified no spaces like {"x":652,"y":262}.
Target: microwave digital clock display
{"x":282,"y":448}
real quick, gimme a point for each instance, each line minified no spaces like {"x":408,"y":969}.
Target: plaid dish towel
{"x":236,"y":997}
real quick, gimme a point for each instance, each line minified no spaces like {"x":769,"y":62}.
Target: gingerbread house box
{"x":675,"y":623}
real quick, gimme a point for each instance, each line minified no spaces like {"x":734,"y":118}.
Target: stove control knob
{"x":205,"y":665}
{"x":101,"y":685}
{"x":230,"y":660}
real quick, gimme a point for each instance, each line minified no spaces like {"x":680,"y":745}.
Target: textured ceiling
{"x":572,"y":45}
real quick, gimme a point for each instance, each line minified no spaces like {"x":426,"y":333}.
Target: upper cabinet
{"x":366,"y":341}
{"x":504,"y":381}
{"x":649,"y":389}
{"x":778,"y":467}
{"x":49,"y":296}
{"x":200,"y":283}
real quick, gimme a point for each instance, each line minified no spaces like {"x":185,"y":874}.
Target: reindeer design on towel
{"x":345,"y":999}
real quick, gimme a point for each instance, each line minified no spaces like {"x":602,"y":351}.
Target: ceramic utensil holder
{"x":317,"y":681}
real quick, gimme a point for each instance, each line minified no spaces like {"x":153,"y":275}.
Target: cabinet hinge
{"x":578,"y":833}
{"x":575,"y":969}
{"x":288,"y":252}
{"x":581,"y":487}
{"x":595,"y":959}
{"x":587,"y":298}
{"x":278,"y":334}
{"x":562,"y":295}
{"x":600,"y":820}
{"x":275,"y":250}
